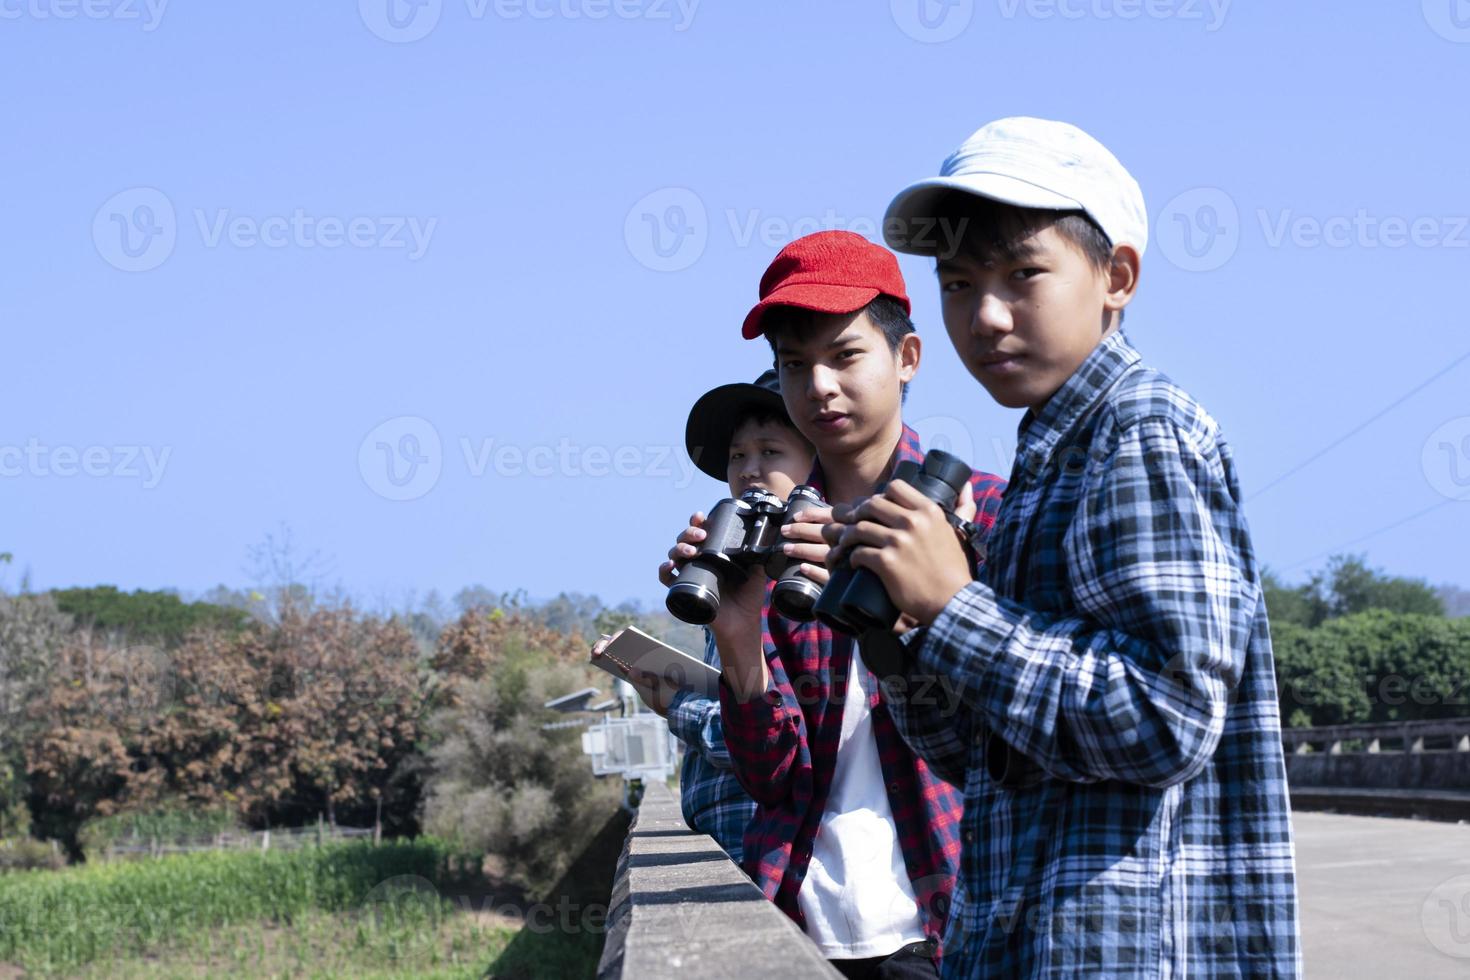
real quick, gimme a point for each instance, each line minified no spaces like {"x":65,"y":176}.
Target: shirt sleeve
{"x":937,"y":725}
{"x":695,"y":721}
{"x":1134,"y":683}
{"x":763,"y":735}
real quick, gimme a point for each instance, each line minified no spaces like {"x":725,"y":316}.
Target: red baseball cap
{"x":830,"y":272}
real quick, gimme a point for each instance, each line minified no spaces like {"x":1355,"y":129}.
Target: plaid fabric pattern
{"x":784,"y":746}
{"x":1117,"y":731}
{"x":711,"y":797}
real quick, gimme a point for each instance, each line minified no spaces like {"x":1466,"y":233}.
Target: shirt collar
{"x":1041,"y":430}
{"x":908,"y":449}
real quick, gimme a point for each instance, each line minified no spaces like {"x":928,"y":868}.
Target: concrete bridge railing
{"x":1419,"y":768}
{"x":681,"y":908}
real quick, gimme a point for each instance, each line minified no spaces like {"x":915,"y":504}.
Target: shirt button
{"x":969,"y":836}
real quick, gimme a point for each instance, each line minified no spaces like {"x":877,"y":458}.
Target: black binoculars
{"x":740,"y":535}
{"x":855,"y":600}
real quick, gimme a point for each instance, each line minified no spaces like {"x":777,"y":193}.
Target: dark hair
{"x":885,"y":312}
{"x":760,"y":415}
{"x":992,"y":230}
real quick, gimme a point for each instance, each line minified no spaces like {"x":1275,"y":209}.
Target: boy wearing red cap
{"x":855,"y":837}
{"x":1117,"y":736}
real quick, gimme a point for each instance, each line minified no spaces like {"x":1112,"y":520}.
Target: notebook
{"x":633,"y":652}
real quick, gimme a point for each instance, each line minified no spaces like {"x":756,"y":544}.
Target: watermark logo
{"x":1446,"y":459}
{"x":37,"y":460}
{"x":401,"y":459}
{"x":400,"y":21}
{"x":1445,"y":917}
{"x":135,"y":230}
{"x":1450,"y":19}
{"x":406,"y":21}
{"x":932,"y":21}
{"x":1199,"y":230}
{"x":148,"y":12}
{"x":667,"y":231}
{"x":1211,"y":13}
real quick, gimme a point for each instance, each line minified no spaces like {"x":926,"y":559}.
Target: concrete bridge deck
{"x":1383,"y":897}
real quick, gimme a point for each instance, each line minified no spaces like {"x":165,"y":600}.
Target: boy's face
{"x":1023,"y":324}
{"x":767,"y":455}
{"x":842,"y":383}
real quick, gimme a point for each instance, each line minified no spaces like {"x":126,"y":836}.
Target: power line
{"x":1363,"y":425}
{"x":1373,"y":534}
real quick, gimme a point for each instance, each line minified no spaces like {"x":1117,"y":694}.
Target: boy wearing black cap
{"x":738,"y":433}
{"x":855,"y":838}
{"x":1117,"y":738}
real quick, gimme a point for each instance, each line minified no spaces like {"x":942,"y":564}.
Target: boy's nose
{"x":822,"y":383}
{"x":992,"y":316}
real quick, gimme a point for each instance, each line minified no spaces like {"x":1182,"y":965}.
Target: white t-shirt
{"x":856,"y":896}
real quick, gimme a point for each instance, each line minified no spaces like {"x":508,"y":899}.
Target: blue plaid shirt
{"x":712,"y":799}
{"x":1114,"y":717}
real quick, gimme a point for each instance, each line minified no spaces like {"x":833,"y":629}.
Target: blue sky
{"x":253,"y":253}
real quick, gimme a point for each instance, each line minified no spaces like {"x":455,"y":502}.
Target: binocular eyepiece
{"x":855,"y":599}
{"x":740,"y":535}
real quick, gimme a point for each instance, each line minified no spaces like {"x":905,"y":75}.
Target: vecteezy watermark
{"x":405,"y":21}
{"x":1446,"y":459}
{"x":1450,"y":19}
{"x":37,"y":460}
{"x":1445,"y":917}
{"x":137,"y":229}
{"x":937,"y":21}
{"x":568,"y":459}
{"x":149,"y":13}
{"x":1201,"y":229}
{"x":412,"y":897}
{"x":669,"y":229}
{"x":1210,"y":13}
{"x":932,"y":21}
{"x":403,"y":458}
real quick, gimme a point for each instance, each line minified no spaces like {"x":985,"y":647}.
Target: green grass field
{"x":400,"y":909}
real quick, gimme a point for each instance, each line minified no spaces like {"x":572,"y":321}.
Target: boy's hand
{"x":654,"y":692}
{"x":907,"y":541}
{"x":683,"y":549}
{"x":804,"y":542}
{"x":737,"y":626}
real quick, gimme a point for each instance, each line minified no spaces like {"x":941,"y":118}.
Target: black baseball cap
{"x":713,"y":418}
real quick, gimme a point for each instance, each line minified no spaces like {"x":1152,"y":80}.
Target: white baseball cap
{"x":1029,"y":163}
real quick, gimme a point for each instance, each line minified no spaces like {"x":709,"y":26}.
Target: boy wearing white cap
{"x":1117,"y":736}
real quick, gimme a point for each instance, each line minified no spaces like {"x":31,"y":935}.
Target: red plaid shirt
{"x":784,"y":749}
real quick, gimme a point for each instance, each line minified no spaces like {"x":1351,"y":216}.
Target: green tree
{"x":144,"y":617}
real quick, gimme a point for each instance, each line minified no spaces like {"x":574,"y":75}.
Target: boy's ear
{"x":1122,"y":278}
{"x":910,"y":350}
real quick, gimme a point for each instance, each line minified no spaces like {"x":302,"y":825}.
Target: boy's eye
{"x":952,"y":286}
{"x":1027,"y":273}
{"x":735,"y":456}
{"x":771,"y":452}
{"x":790,"y":365}
{"x":848,"y":354}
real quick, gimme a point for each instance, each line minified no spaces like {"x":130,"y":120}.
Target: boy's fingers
{"x":842,"y":513}
{"x":804,"y":532}
{"x":816,"y":573}
{"x":806,"y":552}
{"x":906,"y":494}
{"x":832,"y":533}
{"x":885,"y":511}
{"x":965,"y":507}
